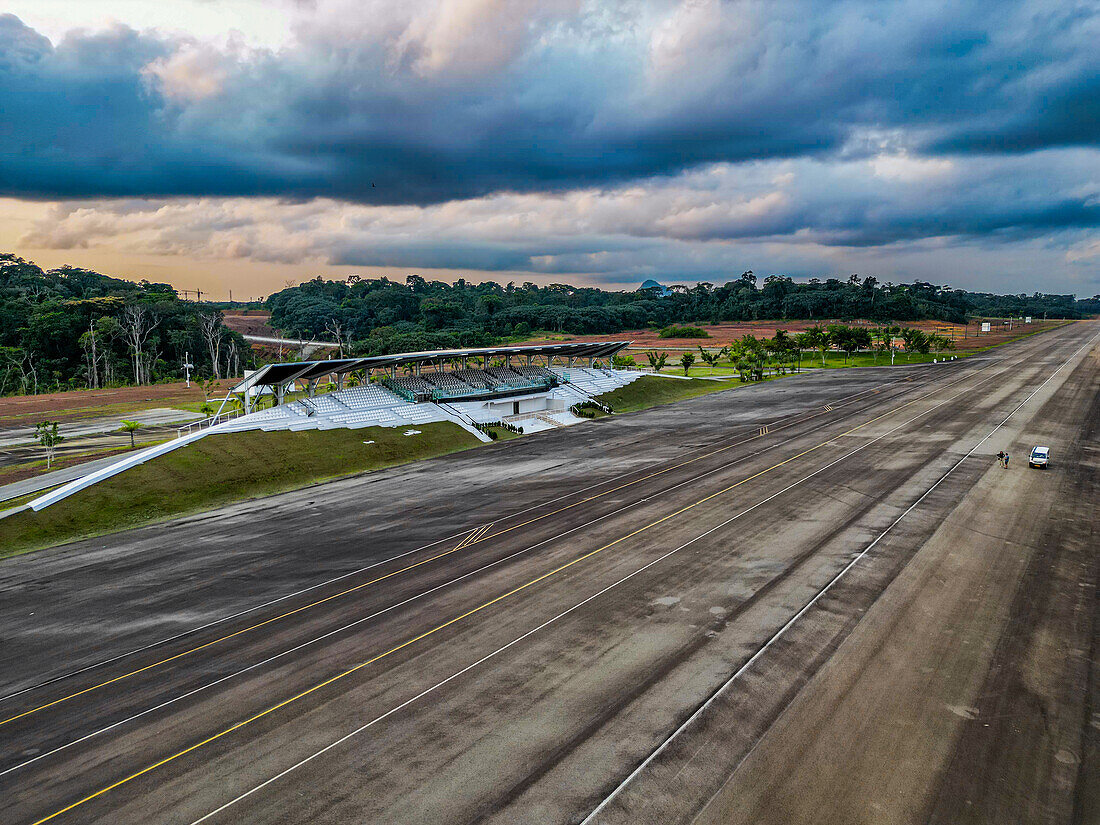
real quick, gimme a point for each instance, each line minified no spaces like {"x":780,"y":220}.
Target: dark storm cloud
{"x":353,"y":118}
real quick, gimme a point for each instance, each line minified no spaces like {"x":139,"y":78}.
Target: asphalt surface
{"x":813,"y":600}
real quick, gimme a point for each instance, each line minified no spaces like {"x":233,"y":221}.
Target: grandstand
{"x":483,"y":386}
{"x":472,"y":387}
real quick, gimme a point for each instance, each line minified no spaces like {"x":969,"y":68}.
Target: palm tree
{"x":686,"y":360}
{"x":129,"y":427}
{"x":657,"y":362}
{"x":804,"y":342}
{"x":709,"y":358}
{"x":820,"y":339}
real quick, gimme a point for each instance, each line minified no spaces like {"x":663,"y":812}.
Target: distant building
{"x":652,"y":284}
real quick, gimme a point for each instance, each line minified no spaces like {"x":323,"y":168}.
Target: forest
{"x":71,"y":328}
{"x":379,"y":316}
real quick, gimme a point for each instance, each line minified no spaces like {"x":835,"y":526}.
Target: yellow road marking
{"x":455,"y":620}
{"x":479,"y":535}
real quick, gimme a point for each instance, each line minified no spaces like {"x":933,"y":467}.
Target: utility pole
{"x":187,"y":367}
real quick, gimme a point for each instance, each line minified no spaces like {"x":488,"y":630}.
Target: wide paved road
{"x":815,"y":600}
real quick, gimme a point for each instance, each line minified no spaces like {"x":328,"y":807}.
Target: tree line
{"x":381,"y":316}
{"x":754,"y":357}
{"x":71,"y":328}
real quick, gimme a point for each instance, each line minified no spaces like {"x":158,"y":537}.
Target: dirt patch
{"x":250,"y":322}
{"x":25,"y":410}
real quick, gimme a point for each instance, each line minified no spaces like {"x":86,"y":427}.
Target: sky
{"x":244,"y":145}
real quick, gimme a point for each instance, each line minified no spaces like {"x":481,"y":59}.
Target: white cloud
{"x":908,"y":169}
{"x":191,"y":73}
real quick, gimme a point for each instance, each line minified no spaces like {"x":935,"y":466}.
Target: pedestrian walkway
{"x":53,"y":478}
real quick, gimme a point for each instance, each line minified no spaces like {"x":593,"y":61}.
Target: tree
{"x":782,"y":348}
{"x":90,"y":344}
{"x":939,"y":343}
{"x":129,"y":427}
{"x":849,"y":339}
{"x":137,"y":323}
{"x":22,"y":360}
{"x":46,"y":433}
{"x":880,"y":341}
{"x":804,"y":342}
{"x":820,"y":340}
{"x":892,"y":332}
{"x":686,"y":360}
{"x":622,"y":361}
{"x":337,"y":330}
{"x":207,"y":386}
{"x":915,"y":341}
{"x":754,"y":357}
{"x":657,"y":361}
{"x":710,"y":358}
{"x":210,"y":326}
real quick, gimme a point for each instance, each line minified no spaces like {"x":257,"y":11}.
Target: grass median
{"x":220,"y":469}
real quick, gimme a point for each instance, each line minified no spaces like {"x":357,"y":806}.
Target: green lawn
{"x":812,"y":360}
{"x":836,"y":360}
{"x":220,"y":469}
{"x":649,"y":391}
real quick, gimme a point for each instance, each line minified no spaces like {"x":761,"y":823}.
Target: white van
{"x":1039,"y":457}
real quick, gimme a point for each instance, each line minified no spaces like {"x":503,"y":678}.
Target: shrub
{"x":676,"y":331}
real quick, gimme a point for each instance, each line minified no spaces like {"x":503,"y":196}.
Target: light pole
{"x":187,"y":367}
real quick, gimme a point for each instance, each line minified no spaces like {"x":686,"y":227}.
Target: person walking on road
{"x":1006,"y":460}
{"x":1001,"y":458}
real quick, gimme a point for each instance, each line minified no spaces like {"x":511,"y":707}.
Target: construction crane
{"x":183,"y":293}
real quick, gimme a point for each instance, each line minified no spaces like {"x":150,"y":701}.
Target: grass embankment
{"x":649,"y":391}
{"x":503,"y":434}
{"x":220,"y":469}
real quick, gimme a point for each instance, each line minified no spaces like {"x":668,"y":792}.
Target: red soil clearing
{"x":966,"y":337}
{"x":26,"y":410}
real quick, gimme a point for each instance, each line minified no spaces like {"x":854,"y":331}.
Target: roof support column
{"x":311,"y":387}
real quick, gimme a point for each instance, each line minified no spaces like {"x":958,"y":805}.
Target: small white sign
{"x":985,"y":326}
{"x":1027,"y":320}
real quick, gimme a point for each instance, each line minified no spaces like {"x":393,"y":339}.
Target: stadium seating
{"x":374,"y":405}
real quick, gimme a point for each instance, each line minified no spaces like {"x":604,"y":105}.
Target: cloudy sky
{"x":239,"y":144}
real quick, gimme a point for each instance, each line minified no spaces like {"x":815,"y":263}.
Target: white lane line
{"x":580,"y":604}
{"x":591,"y":818}
{"x":342,"y":576}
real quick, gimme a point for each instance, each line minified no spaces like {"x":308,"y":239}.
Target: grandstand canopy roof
{"x":271,"y":375}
